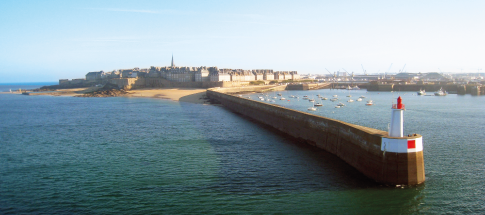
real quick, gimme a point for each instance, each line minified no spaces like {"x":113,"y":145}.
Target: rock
{"x":104,"y":93}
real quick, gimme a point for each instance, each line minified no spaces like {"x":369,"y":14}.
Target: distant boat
{"x":292,"y":96}
{"x":312,"y":108}
{"x":318,"y":104}
{"x":440,"y":92}
{"x":311,"y":100}
{"x":348,"y":87}
{"x":305,"y":97}
{"x":334,"y":99}
{"x":362,"y":97}
{"x":335,"y":96}
{"x":369,"y":103}
{"x":421,"y":92}
{"x":355,"y":88}
{"x":324,"y":98}
{"x":337,"y":106}
{"x":359,"y":99}
{"x":279,"y":94}
{"x":341,"y":104}
{"x":350,"y":100}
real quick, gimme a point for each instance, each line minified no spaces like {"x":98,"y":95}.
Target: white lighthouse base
{"x":402,"y":145}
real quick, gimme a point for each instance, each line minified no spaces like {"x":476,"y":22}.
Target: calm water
{"x":6,"y":87}
{"x":110,"y":155}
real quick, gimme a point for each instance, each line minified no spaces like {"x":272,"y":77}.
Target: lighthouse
{"x":403,"y":154}
{"x":396,"y":128}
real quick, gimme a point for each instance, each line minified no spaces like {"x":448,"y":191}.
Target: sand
{"x":175,"y":94}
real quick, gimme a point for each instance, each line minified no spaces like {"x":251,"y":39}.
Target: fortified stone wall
{"x":357,"y":145}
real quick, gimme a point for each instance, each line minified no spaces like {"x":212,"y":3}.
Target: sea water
{"x":137,"y":155}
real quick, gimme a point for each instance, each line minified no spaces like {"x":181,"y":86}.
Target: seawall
{"x":385,"y":159}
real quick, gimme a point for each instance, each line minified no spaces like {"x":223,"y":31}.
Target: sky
{"x":43,"y":40}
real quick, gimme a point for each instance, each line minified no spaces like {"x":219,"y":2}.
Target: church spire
{"x":173,"y":65}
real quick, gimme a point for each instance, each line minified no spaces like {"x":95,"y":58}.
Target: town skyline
{"x":46,"y":41}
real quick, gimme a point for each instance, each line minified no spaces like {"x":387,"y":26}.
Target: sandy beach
{"x":174,"y":94}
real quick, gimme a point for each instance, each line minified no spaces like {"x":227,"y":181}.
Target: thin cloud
{"x":139,"y":11}
{"x":132,"y":11}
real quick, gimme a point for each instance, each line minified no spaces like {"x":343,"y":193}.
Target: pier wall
{"x":359,"y":146}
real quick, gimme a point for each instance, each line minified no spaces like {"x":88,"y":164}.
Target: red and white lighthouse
{"x":396,"y":127}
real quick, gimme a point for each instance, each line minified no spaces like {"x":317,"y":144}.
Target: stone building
{"x":94,"y":75}
{"x":202,"y":74}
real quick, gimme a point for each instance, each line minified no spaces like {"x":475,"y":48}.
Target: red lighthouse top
{"x":399,"y":104}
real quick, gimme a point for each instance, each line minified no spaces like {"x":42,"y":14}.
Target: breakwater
{"x":460,"y":89}
{"x":388,"y":160}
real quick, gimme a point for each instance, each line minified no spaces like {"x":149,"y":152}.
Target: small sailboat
{"x":350,"y":100}
{"x":335,"y":96}
{"x":355,"y":88}
{"x":421,"y":92}
{"x":334,"y":99}
{"x":312,"y":108}
{"x":305,"y":97}
{"x":311,"y":100}
{"x":324,"y":98}
{"x":318,"y":104}
{"x":359,"y":99}
{"x":362,"y":97}
{"x":340,"y":104}
{"x":337,"y":106}
{"x":369,"y":103}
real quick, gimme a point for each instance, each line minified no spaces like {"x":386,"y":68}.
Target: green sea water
{"x":65,"y":155}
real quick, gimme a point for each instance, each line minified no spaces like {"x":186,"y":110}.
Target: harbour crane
{"x":365,"y":72}
{"x":387,"y":71}
{"x":402,"y":70}
{"x":334,"y":76}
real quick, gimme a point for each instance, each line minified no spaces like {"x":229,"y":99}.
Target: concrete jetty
{"x":386,"y":159}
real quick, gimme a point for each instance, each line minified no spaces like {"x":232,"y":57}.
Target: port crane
{"x":387,"y":71}
{"x":334,"y":76}
{"x":402,"y":70}
{"x":365,"y":72}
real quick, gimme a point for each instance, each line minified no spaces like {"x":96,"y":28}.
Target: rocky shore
{"x":109,"y":90}
{"x":104,"y":93}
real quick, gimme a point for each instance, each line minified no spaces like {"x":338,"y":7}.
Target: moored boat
{"x":421,"y":92}
{"x":440,"y":92}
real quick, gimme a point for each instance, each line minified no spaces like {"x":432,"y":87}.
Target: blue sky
{"x":51,"y":40}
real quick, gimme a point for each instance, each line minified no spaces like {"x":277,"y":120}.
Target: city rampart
{"x":362,"y":147}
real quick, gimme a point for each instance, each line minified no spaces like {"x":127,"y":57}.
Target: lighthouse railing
{"x":394,"y":106}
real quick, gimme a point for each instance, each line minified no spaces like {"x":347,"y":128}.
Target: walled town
{"x":173,"y":76}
